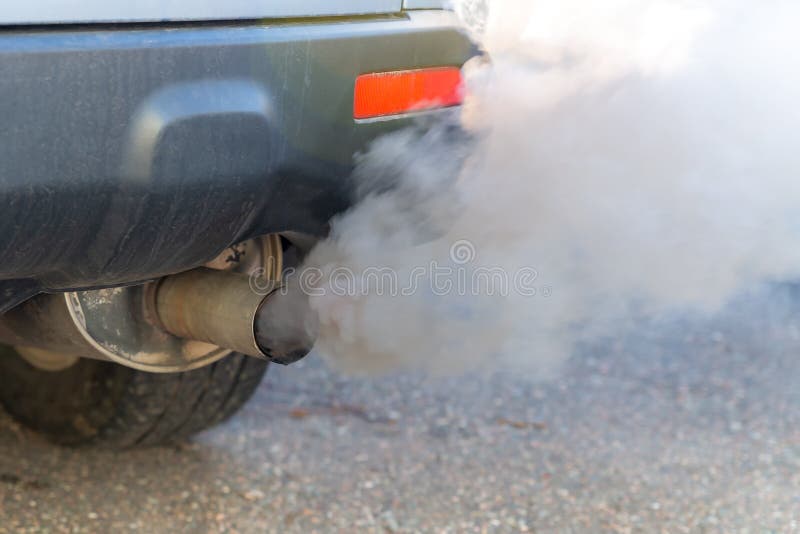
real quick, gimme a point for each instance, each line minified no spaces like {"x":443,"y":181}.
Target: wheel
{"x":101,"y":403}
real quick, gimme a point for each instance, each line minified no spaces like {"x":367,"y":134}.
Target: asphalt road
{"x":675,"y":426}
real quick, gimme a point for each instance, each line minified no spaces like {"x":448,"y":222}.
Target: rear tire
{"x":106,"y":404}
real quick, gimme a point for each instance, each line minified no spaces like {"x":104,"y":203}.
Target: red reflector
{"x":392,"y":93}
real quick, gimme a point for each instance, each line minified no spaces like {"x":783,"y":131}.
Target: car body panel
{"x":129,"y":154}
{"x":115,"y":11}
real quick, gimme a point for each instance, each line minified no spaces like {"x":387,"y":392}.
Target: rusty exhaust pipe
{"x":264,"y":319}
{"x":179,"y":323}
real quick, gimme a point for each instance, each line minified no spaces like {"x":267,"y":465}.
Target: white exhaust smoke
{"x":619,"y":155}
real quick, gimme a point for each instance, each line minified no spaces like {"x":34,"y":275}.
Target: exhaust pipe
{"x":225,"y":309}
{"x":179,"y":323}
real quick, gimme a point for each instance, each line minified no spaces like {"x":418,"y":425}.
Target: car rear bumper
{"x":127,"y":152}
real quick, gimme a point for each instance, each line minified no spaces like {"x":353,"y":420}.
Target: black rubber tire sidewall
{"x":106,"y":404}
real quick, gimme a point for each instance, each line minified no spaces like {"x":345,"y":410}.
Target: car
{"x":161,"y":165}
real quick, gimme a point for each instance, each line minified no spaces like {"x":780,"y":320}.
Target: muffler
{"x":178,"y":323}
